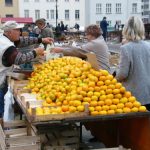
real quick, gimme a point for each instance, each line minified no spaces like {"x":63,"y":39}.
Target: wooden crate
{"x":13,"y":136}
{"x":64,"y":137}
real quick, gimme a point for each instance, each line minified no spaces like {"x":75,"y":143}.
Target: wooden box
{"x":13,"y":136}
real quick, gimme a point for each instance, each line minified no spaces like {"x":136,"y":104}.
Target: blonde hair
{"x":134,"y":29}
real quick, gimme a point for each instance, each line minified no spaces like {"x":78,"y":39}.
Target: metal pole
{"x":56,"y":12}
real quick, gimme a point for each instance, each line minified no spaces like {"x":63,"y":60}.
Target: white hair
{"x":134,"y":29}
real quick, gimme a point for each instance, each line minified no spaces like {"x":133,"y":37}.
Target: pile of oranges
{"x":69,"y":83}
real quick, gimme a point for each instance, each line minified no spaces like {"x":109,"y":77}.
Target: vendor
{"x":96,"y":44}
{"x":10,"y":55}
{"x":134,"y":65}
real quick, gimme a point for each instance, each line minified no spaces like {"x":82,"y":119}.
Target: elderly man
{"x":45,"y":31}
{"x":9,"y":54}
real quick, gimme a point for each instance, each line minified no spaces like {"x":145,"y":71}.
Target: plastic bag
{"x":8,"y":106}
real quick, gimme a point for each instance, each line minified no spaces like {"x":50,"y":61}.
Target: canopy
{"x":18,"y":20}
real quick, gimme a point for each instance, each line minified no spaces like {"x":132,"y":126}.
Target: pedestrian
{"x":77,"y":26}
{"x":103,"y":25}
{"x":134,"y":72}
{"x":62,"y":27}
{"x":45,"y":31}
{"x":95,"y":44}
{"x":117,"y":26}
{"x":10,"y":55}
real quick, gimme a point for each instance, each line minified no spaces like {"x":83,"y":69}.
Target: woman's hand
{"x":47,"y":40}
{"x":57,"y":50}
{"x":39,"y":51}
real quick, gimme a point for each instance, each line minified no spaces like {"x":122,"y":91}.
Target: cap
{"x":42,"y":20}
{"x":9,"y":25}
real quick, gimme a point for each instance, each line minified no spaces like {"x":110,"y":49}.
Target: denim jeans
{"x":2,"y":93}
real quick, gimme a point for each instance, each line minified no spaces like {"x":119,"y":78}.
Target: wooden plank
{"x":14,"y":123}
{"x":15,"y":132}
{"x":2,"y":138}
{"x":17,"y":141}
{"x":25,"y":147}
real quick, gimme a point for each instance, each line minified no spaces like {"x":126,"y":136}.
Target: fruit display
{"x":67,"y":84}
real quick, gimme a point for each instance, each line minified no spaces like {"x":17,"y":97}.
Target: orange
{"x":111,"y":86}
{"x":91,"y":88}
{"x":119,"y":111}
{"x":100,"y":103}
{"x":100,"y":83}
{"x":97,"y":88}
{"x":91,"y":84}
{"x":85,"y":103}
{"x":72,"y":109}
{"x":110,"y":96}
{"x":123,"y":100}
{"x":76,"y":103}
{"x":48,"y":100}
{"x":108,"y":102}
{"x":104,"y":87}
{"x":102,"y":97}
{"x":119,"y":96}
{"x":87,"y":99}
{"x":65,"y":102}
{"x":120,"y":105}
{"x":109,"y":91}
{"x":105,"y":107}
{"x":103,"y":112}
{"x":90,"y":94}
{"x":102,"y":92}
{"x":94,"y":98}
{"x":127,"y":94}
{"x":97,"y":94}
{"x":116,"y":91}
{"x":115,"y":101}
{"x":129,"y":105}
{"x":118,"y":85}
{"x":102,"y":78}
{"x":134,"y":109}
{"x":126,"y":110}
{"x":136,"y":104}
{"x":109,"y":77}
{"x":91,"y":109}
{"x":113,"y":107}
{"x":94,"y":113}
{"x":142,"y":109}
{"x":122,"y":90}
{"x":93,"y":103}
{"x":107,"y":82}
{"x":98,"y":108}
{"x":132,"y":99}
{"x":58,"y":103}
{"x":110,"y":112}
{"x":65,"y":108}
{"x":114,"y":81}
{"x":80,"y":108}
{"x":104,"y":72}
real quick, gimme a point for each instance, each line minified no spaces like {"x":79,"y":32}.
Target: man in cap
{"x":45,"y":31}
{"x":9,"y":54}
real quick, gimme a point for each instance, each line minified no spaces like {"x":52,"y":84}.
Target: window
{"x":9,"y":16}
{"x":118,"y":8}
{"x":77,"y":14}
{"x":8,"y":2}
{"x":108,"y":8}
{"x":51,"y":0}
{"x":109,"y":22}
{"x":26,"y":0}
{"x":37,"y":0}
{"x":47,"y":14}
{"x":37,"y":14}
{"x":67,"y":14}
{"x":26,"y":13}
{"x":66,"y":0}
{"x":98,"y":8}
{"x":77,"y":0}
{"x":134,"y":8}
{"x":52,"y":14}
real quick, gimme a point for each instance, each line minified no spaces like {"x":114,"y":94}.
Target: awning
{"x":18,"y":20}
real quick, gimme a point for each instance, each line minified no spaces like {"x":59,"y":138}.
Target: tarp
{"x":18,"y":20}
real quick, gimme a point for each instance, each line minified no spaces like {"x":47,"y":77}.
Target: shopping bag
{"x":8,"y":105}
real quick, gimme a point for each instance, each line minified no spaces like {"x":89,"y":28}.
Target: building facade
{"x":9,"y":8}
{"x":69,"y":11}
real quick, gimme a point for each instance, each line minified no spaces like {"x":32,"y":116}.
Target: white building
{"x":113,"y":10}
{"x":69,"y":11}
{"x":84,"y":12}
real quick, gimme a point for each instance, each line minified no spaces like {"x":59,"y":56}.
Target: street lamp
{"x":56,"y":13}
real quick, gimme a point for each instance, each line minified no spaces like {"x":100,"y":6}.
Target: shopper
{"x":95,"y":44}
{"x":10,"y":55}
{"x":134,"y":65}
{"x":45,"y":31}
{"x":103,"y":25}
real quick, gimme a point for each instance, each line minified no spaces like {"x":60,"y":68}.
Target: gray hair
{"x":134,"y":29}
